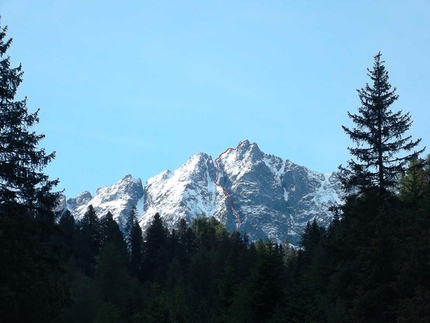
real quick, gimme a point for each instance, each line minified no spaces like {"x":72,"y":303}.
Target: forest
{"x":371,"y":264}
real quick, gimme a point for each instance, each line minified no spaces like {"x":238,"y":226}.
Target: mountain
{"x":274,"y":198}
{"x":119,"y":199}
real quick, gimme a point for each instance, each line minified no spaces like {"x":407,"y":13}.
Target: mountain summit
{"x":274,"y":198}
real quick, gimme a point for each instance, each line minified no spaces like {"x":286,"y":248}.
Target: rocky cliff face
{"x":273,"y":197}
{"x":119,"y":199}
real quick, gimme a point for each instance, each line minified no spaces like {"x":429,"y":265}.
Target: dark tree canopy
{"x":379,"y":134}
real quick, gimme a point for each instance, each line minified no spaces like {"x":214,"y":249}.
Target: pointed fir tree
{"x":128,"y":227}
{"x":110,"y":232}
{"x":414,"y":183}
{"x":155,"y":256}
{"x":89,"y":241}
{"x":136,"y":250}
{"x":23,"y":184}
{"x":31,"y":286}
{"x":379,"y":135}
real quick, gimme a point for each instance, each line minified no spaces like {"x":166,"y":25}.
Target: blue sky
{"x":137,"y":87}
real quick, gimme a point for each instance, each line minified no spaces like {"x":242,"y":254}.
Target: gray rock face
{"x":119,"y":199}
{"x":274,"y":198}
{"x":81,"y":199}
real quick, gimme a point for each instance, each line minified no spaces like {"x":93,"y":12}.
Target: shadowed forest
{"x":372,"y":264}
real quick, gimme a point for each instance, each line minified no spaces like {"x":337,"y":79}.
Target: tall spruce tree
{"x":31,"y":288}
{"x":128,"y":227}
{"x":22,"y":181}
{"x":136,"y":250}
{"x":364,"y":246}
{"x":89,"y":241}
{"x":379,"y":135}
{"x":155,"y":256}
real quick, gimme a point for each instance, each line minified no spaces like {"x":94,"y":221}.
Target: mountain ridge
{"x":273,"y":197}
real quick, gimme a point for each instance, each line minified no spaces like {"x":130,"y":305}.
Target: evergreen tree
{"x":187,"y":239}
{"x":204,"y":230}
{"x":136,"y":252}
{"x":226,"y":295}
{"x":364,"y":246}
{"x":413,"y":278}
{"x":268,"y":281}
{"x":112,"y":275}
{"x":31,"y":287}
{"x":312,"y":236}
{"x":379,"y":135}
{"x":67,"y":226}
{"x":155,"y":257}
{"x":110,"y":231}
{"x":182,"y":245}
{"x":415,"y":183}
{"x":128,"y":227}
{"x":89,"y":241}
{"x":23,"y":184}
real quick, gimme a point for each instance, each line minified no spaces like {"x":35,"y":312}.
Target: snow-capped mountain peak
{"x":119,"y":199}
{"x":187,"y":192}
{"x":273,"y":197}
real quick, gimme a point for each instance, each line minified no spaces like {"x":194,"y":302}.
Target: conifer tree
{"x":268,"y":281}
{"x":22,"y":181}
{"x":155,"y":255}
{"x":31,"y":265}
{"x":128,"y":227}
{"x":364,"y":246}
{"x":136,"y":252}
{"x":379,"y":135}
{"x":110,"y":231}
{"x":89,"y":241}
{"x":67,"y":226}
{"x":414,"y":184}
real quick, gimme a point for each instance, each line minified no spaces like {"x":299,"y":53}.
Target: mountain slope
{"x":119,"y":199}
{"x":273,"y":197}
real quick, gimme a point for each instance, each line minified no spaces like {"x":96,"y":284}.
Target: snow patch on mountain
{"x":187,"y":192}
{"x":118,"y":199}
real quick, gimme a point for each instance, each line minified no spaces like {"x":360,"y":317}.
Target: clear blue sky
{"x":137,"y":87}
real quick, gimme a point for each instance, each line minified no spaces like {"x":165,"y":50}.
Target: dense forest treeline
{"x":199,"y":273}
{"x":372,"y":264}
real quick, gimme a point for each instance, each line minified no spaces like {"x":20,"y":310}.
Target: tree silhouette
{"x":379,"y":135}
